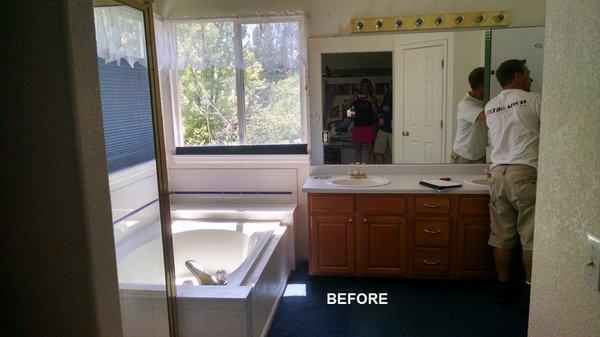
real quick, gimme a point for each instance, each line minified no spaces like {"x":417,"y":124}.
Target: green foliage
{"x":208,"y":87}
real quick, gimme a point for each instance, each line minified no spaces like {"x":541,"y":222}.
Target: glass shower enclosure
{"x":137,"y":168}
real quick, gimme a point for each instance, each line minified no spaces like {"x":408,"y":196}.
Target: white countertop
{"x":399,"y":184}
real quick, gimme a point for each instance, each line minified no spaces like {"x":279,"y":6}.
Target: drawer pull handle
{"x":431,"y":263}
{"x":365,"y":220}
{"x":350,"y":221}
{"x":432,"y":205}
{"x":432,"y":231}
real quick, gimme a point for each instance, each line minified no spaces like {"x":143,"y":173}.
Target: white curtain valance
{"x":120,"y":35}
{"x":201,"y":43}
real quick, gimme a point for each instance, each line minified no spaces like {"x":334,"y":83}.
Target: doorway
{"x":342,"y":76}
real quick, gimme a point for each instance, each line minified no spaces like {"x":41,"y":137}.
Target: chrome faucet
{"x":203,"y":277}
{"x":199,"y":273}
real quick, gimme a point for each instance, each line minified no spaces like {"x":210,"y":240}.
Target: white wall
{"x":331,"y":17}
{"x":56,"y":237}
{"x":568,"y":203}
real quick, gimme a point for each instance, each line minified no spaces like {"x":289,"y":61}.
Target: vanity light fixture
{"x":398,"y":23}
{"x":429,"y":21}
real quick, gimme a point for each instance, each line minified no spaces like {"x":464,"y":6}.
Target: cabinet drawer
{"x":432,"y":205}
{"x":329,"y":203}
{"x":433,"y":232}
{"x":382,"y":204}
{"x":474,"y":205}
{"x":428,"y":262}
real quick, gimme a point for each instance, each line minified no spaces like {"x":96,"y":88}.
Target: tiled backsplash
{"x":245,"y":180}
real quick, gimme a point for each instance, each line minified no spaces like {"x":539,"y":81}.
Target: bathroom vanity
{"x":401,"y":229}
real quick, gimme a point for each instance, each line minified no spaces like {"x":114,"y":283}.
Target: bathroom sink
{"x":478,"y":181}
{"x":350,"y":182}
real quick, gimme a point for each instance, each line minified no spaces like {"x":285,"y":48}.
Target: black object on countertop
{"x":438,"y":187}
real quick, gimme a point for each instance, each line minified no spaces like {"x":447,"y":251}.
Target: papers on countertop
{"x":439,"y":184}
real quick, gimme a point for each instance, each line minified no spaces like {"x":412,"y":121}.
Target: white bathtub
{"x":254,"y":254}
{"x":230,"y":246}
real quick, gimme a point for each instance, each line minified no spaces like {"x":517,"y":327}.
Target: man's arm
{"x":481,"y":116}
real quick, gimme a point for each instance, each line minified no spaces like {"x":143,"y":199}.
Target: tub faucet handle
{"x":221,"y":277}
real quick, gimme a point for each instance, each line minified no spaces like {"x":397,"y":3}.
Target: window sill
{"x":127,"y":176}
{"x":236,"y":150}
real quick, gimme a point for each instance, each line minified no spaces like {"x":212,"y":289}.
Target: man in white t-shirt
{"x":471,"y":132}
{"x":513,"y":119}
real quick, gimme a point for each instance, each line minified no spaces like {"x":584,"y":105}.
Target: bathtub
{"x":255,"y":255}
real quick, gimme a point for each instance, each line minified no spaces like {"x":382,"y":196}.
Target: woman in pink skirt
{"x":366,"y":115}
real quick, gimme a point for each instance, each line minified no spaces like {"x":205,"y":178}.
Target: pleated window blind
{"x":127,"y":114}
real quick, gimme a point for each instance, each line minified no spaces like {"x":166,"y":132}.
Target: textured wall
{"x":562,"y":304}
{"x":331,"y":17}
{"x":56,"y":238}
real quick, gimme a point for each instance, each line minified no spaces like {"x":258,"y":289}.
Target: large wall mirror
{"x":410,"y":98}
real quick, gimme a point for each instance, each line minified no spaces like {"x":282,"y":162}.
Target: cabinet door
{"x":331,"y":244}
{"x":384,"y":245}
{"x":475,"y":257}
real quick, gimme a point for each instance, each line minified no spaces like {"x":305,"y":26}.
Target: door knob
{"x":405,"y":133}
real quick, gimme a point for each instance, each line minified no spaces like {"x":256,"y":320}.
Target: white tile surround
{"x":133,"y":198}
{"x":250,"y":173}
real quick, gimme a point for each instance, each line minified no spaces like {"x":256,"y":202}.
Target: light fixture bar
{"x":429,"y":21}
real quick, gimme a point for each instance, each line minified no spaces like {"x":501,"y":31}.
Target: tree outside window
{"x":231,"y":71}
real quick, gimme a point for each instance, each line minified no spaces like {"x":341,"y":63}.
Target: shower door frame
{"x":146,"y":7}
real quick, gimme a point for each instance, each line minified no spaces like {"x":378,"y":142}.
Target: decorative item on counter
{"x":357,"y":173}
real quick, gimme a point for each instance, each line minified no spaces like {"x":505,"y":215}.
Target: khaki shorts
{"x":456,"y":159}
{"x":512,"y":206}
{"x":383,"y":141}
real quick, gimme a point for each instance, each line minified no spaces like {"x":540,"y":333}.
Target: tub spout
{"x":199,"y":273}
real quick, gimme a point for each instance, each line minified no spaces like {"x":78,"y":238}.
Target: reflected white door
{"x":423,"y":105}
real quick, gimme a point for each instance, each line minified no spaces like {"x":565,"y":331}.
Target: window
{"x":124,"y":87}
{"x":240,"y":82}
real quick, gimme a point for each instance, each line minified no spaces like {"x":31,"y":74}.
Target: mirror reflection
{"x":433,"y":112}
{"x":471,"y":131}
{"x":357,"y":107}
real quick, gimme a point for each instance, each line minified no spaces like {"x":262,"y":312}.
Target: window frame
{"x":243,"y":147}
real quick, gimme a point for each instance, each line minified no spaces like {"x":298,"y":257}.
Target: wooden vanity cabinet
{"x":430,"y":236}
{"x":332,"y":234}
{"x":474,"y":256}
{"x":382,"y":234}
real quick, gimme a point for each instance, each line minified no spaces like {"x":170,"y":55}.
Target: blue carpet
{"x":417,"y":308}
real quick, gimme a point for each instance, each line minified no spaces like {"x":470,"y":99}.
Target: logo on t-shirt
{"x":501,"y":108}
